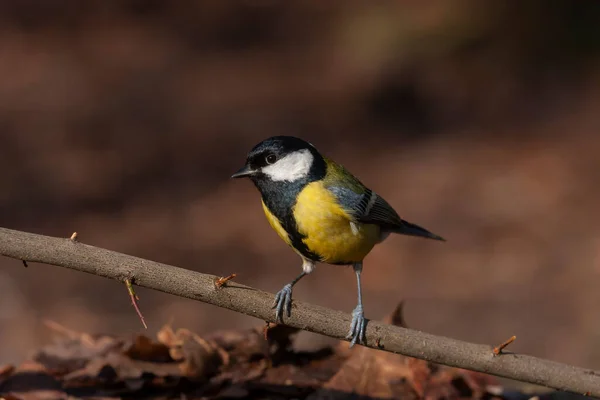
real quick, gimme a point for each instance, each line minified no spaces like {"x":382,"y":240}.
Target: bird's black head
{"x":283,"y":159}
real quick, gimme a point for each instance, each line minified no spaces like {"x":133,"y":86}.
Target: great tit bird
{"x":322,"y":211}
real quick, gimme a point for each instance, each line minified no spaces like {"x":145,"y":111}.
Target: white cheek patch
{"x":292,"y":167}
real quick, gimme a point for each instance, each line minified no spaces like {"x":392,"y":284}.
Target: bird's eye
{"x":271,"y":158}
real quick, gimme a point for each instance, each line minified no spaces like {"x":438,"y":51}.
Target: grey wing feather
{"x":354,"y":203}
{"x":366,"y":207}
{"x":379,"y":212}
{"x":370,"y":208}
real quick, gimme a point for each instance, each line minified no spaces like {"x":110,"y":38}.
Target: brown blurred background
{"x":477,"y":120}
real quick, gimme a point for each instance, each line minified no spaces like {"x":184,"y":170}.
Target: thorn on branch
{"x":220,"y":282}
{"x":498,"y":349}
{"x":73,"y":237}
{"x":134,"y":300}
{"x":25,"y":263}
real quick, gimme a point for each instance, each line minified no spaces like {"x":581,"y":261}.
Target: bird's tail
{"x":414,"y":230}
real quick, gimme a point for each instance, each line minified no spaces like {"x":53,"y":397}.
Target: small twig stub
{"x":73,"y":237}
{"x":134,"y":301}
{"x":498,"y":349}
{"x":220,"y":282}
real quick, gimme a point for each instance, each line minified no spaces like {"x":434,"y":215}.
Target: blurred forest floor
{"x":477,"y":120}
{"x":251,"y":363}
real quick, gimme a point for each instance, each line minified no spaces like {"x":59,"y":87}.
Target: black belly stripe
{"x":280,"y":198}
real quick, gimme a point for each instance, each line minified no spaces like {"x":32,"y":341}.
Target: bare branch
{"x":233,"y":296}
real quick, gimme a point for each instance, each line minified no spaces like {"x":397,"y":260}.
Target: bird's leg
{"x":359,"y":324}
{"x":283,"y":298}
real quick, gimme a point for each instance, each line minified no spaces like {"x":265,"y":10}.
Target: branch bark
{"x":197,"y":286}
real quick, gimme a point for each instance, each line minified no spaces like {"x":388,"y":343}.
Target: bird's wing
{"x":360,"y":202}
{"x":365,"y":206}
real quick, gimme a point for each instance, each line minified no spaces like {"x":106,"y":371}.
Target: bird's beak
{"x":243,"y":172}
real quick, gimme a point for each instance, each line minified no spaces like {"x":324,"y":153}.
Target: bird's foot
{"x":358,"y":327}
{"x":283,"y":301}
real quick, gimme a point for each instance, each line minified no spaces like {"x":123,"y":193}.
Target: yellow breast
{"x":328,"y":229}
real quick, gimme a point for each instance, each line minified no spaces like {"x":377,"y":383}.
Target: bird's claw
{"x":283,"y":301}
{"x":357,"y":327}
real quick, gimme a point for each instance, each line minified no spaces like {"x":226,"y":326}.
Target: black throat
{"x":280,"y":198}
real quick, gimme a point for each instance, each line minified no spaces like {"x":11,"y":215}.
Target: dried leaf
{"x":419,"y":374}
{"x":230,"y":364}
{"x":199,"y":358}
{"x":123,"y":367}
{"x":242,"y":346}
{"x":10,"y":396}
{"x":5,"y":372}
{"x":32,"y":380}
{"x":380,"y":374}
{"x":234,"y":392}
{"x":372,"y":373}
{"x":397,"y":316}
{"x":143,"y":348}
{"x":72,"y":350}
{"x":279,"y":340}
{"x":166,"y":336}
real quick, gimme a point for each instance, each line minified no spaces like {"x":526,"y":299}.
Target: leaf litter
{"x":234,"y":364}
